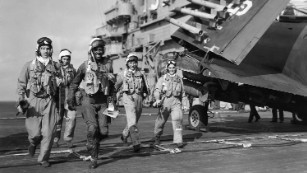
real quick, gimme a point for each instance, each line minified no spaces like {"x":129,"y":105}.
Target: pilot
{"x":97,"y":75}
{"x":37,"y":85}
{"x":169,"y":92}
{"x":67,"y":72}
{"x":133,"y":86}
{"x":253,"y":113}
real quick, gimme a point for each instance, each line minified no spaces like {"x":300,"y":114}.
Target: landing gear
{"x":299,"y":118}
{"x":198,"y":116}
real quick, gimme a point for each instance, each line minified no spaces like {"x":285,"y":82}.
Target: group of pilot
{"x":52,"y":91}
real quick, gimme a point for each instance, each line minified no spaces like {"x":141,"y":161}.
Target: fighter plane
{"x":247,"y":51}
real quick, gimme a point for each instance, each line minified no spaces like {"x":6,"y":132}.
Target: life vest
{"x":133,"y":82}
{"x":42,"y":82}
{"x":172,"y":86}
{"x":68,"y":74}
{"x":96,"y":78}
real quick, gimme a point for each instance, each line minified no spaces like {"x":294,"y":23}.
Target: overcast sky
{"x":69,"y":23}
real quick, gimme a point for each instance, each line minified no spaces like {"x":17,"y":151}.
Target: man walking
{"x":68,"y":73}
{"x":37,"y":86}
{"x":98,"y":78}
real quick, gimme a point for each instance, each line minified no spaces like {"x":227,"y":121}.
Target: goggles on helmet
{"x":132,"y":57}
{"x":97,"y":42}
{"x":169,"y":62}
{"x":44,"y":41}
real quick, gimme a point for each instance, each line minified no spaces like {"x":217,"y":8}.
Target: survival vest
{"x":96,"y":78}
{"x":42,"y":82}
{"x":68,"y":74}
{"x":133,"y":82}
{"x":171,"y":86}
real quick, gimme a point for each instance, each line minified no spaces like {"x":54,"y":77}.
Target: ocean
{"x":8,"y":109}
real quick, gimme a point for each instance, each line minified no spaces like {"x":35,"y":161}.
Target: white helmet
{"x":131,"y":57}
{"x":64,"y":52}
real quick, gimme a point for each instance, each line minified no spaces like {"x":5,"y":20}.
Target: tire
{"x":198,"y":117}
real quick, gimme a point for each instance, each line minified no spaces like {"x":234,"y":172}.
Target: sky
{"x":69,"y":23}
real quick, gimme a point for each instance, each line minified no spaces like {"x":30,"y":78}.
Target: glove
{"x":22,"y":107}
{"x":71,"y":104}
{"x":157,"y":104}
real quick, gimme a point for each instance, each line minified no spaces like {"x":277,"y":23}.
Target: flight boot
{"x":124,"y":140}
{"x":45,"y":164}
{"x":157,"y":140}
{"x":134,"y":135}
{"x":93,"y":164}
{"x":31,"y":150}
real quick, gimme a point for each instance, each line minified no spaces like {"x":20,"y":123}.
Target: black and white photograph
{"x":153,"y":86}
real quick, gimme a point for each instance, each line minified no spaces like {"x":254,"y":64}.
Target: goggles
{"x":132,"y":57}
{"x":44,"y":41}
{"x":171,"y":62}
{"x":97,"y":42}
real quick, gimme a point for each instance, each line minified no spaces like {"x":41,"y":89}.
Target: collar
{"x":67,"y":66}
{"x":172,"y":75}
{"x":44,"y":61}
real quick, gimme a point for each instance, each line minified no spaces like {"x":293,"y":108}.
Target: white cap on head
{"x":64,"y":52}
{"x":132,"y":57}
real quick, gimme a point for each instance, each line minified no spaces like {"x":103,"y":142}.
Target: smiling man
{"x":169,"y":93}
{"x":132,"y":85}
{"x":37,"y":86}
{"x":97,"y":75}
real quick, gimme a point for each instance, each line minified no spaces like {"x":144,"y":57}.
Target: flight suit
{"x":133,"y":87}
{"x":171,"y":89}
{"x":67,"y":74}
{"x":94,"y":101}
{"x":38,"y":82}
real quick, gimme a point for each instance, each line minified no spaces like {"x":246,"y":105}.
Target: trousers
{"x":97,"y":124}
{"x":41,"y":119}
{"x":133,"y":106}
{"x":170,"y":106}
{"x":70,"y":125}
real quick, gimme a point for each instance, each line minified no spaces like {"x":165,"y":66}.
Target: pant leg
{"x":33,"y":125}
{"x":70,"y":125}
{"x":49,"y":121}
{"x":59,"y":123}
{"x":103,"y":125}
{"x":138,"y":100}
{"x":162,"y":117}
{"x":33,"y":121}
{"x":139,"y":107}
{"x":89,"y":115}
{"x":130,"y":107}
{"x":176,"y":115}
